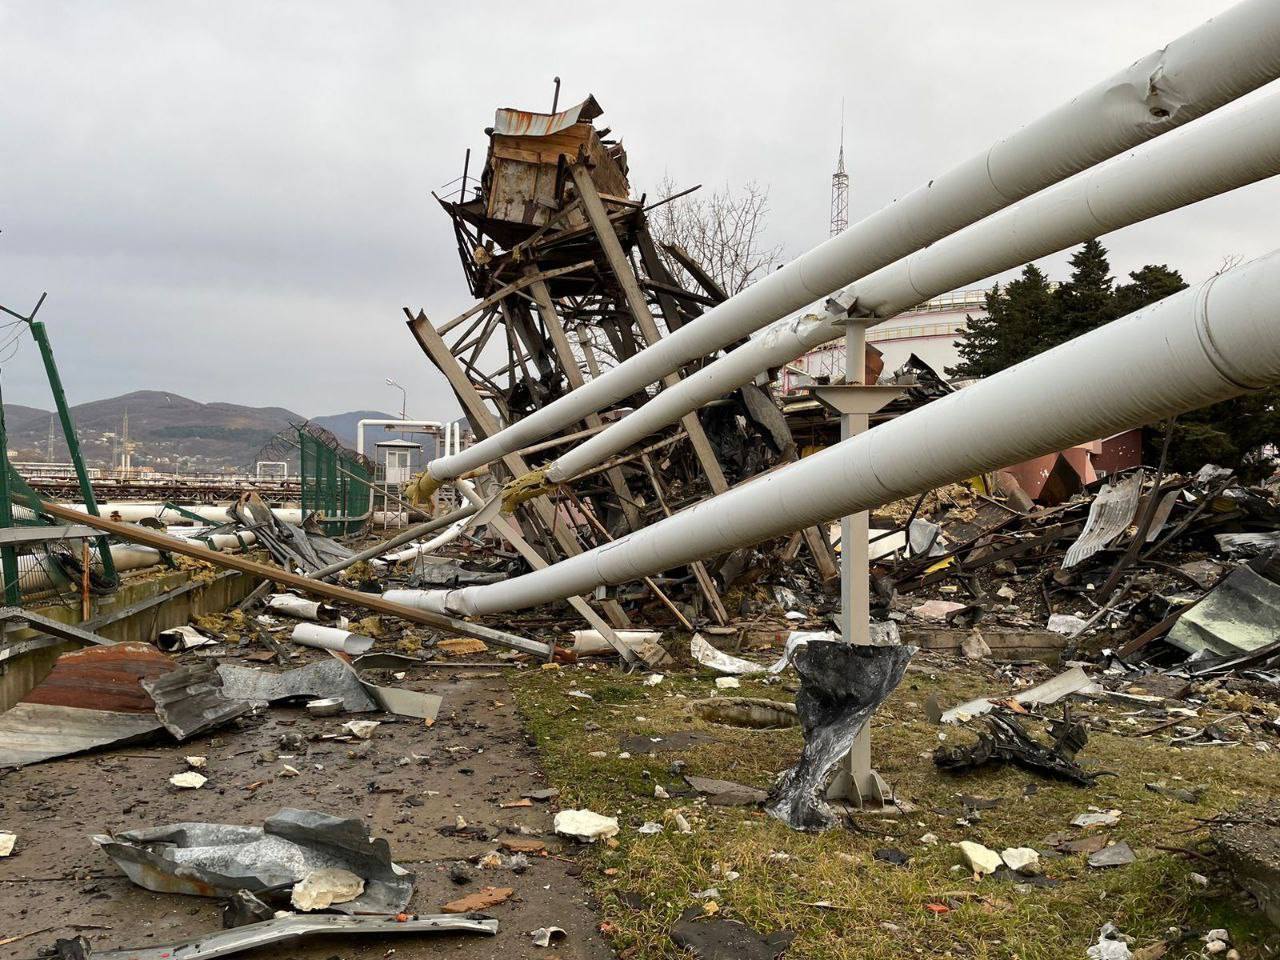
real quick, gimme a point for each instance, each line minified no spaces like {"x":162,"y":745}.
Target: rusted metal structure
{"x":569,"y":281}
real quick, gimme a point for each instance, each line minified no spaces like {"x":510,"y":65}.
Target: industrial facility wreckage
{"x":631,"y":488}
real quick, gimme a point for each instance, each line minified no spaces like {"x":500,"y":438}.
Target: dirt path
{"x":475,"y":758}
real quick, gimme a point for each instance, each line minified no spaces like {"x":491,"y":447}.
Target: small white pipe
{"x":1206,"y":344}
{"x":1234,"y":53}
{"x":34,"y":575}
{"x":330,"y":638}
{"x":406,"y":425}
{"x":295,"y":606}
{"x":131,"y":511}
{"x":1218,"y":154}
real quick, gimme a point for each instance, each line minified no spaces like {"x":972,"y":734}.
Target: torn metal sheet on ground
{"x":217,"y":859}
{"x":190,"y":700}
{"x":1051,"y":691}
{"x":91,"y":698}
{"x":1241,"y":614}
{"x":326,"y":678}
{"x":223,"y":943}
{"x":841,"y":685}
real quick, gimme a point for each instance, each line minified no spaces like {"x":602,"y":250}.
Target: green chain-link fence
{"x":335,"y":483}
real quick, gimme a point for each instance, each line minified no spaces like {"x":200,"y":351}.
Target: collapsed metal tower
{"x":570,"y":281}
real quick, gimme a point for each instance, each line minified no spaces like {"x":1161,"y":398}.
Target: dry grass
{"x":877,"y":910}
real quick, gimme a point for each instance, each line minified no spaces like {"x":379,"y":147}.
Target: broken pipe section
{"x":841,"y":685}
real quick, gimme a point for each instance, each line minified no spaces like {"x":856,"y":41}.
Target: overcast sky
{"x":231,"y":200}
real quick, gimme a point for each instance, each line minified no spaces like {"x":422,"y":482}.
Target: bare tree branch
{"x":723,"y":231}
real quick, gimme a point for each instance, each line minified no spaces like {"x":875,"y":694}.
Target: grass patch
{"x":875,"y":910}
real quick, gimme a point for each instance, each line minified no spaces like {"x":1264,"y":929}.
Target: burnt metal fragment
{"x":1007,"y":741}
{"x":841,"y":685}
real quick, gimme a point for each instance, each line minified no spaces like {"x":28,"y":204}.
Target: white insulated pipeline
{"x":34,"y":574}
{"x":1205,"y":344}
{"x":1234,"y":53}
{"x":1208,"y":158}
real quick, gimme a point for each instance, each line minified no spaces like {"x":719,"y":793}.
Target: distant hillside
{"x":168,"y":432}
{"x":343,"y":425}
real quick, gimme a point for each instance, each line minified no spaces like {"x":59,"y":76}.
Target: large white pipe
{"x":1232,"y":54}
{"x":1211,"y":157}
{"x":1205,"y":344}
{"x":406,"y":425}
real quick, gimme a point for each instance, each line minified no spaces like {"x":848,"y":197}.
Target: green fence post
{"x":8,"y":555}
{"x":73,"y":442}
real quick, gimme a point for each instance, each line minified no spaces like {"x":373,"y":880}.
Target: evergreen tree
{"x":1147,"y":285}
{"x":1012,"y":328}
{"x":1084,"y":302}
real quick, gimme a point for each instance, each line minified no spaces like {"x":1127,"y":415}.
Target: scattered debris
{"x":1006,"y":741}
{"x":584,"y":825}
{"x":330,"y":638}
{"x":277,"y":930}
{"x":322,"y":888}
{"x":545,"y":936}
{"x":300,"y":607}
{"x":361,"y":729}
{"x":1043,"y":694}
{"x":1111,"y":945}
{"x":182,"y":638}
{"x":189,"y":780}
{"x":7,"y":842}
{"x":750,"y":712}
{"x":1114,"y":855}
{"x":725,"y":793}
{"x":979,"y":859}
{"x":480,"y":900}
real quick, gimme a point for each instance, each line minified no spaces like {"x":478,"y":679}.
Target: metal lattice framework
{"x":569,"y":281}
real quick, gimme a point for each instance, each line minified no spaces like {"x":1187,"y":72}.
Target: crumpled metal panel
{"x":190,"y":700}
{"x":1110,"y":514}
{"x":32,"y":732}
{"x":1242,"y":613}
{"x":216,"y":859}
{"x":103,"y":678}
{"x":327,"y":678}
{"x":510,"y":122}
{"x":91,"y":698}
{"x":841,"y":685}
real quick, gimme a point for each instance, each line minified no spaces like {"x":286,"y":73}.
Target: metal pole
{"x":69,"y":433}
{"x":857,"y":781}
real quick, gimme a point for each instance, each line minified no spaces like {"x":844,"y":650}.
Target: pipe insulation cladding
{"x":1216,"y":155}
{"x":1234,"y":53}
{"x":1205,"y":344}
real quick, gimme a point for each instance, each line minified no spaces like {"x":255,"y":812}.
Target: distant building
{"x":932,"y":331}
